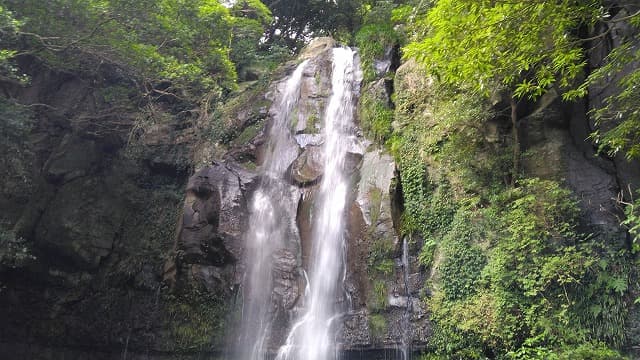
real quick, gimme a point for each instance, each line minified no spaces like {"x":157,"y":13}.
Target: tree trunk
{"x":516,"y":141}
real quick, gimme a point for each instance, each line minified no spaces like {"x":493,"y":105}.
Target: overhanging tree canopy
{"x":525,"y":46}
{"x":187,"y":42}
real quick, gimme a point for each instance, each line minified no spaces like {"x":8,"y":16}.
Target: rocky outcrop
{"x":98,"y":188}
{"x":81,"y":223}
{"x":549,"y":139}
{"x":396,"y":303}
{"x":207,"y":228}
{"x":307,"y":168}
{"x":209,"y":241}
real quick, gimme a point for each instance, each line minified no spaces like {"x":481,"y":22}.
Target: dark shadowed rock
{"x":214,"y":215}
{"x":548,"y":138}
{"x":74,"y":157}
{"x":214,"y":279}
{"x":81,"y":222}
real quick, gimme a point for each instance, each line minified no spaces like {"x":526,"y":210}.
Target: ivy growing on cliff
{"x":511,"y":276}
{"x":518,"y":281}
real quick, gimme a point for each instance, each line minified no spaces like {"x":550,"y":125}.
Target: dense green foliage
{"x":618,"y":120}
{"x":8,"y":27}
{"x":523,"y":49}
{"x":512,"y":276}
{"x":296,"y":21}
{"x":375,"y":36}
{"x":525,"y":46}
{"x":190,"y":43}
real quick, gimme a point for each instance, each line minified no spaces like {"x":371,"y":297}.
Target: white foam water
{"x":267,"y":231}
{"x":312,"y":337}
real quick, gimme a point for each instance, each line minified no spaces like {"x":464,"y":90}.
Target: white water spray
{"x":312,"y":336}
{"x":267,"y":230}
{"x":406,"y":317}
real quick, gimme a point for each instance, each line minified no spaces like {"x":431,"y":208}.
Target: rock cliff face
{"x":91,"y":189}
{"x":373,"y":214}
{"x":129,"y":257}
{"x":561,"y":138}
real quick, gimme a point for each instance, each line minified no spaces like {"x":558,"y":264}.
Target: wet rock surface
{"x":101,"y":225}
{"x":372,"y":219}
{"x":307,"y":168}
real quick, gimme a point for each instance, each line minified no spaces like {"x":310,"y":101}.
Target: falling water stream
{"x":406,"y":317}
{"x":268,"y":227}
{"x":312,"y":337}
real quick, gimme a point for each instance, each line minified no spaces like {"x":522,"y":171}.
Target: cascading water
{"x":267,"y":230}
{"x":312,"y":336}
{"x":406,"y":317}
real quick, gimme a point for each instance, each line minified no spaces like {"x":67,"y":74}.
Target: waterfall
{"x":312,"y":337}
{"x":406,"y":317}
{"x":267,"y":230}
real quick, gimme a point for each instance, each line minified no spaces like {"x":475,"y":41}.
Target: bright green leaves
{"x":192,"y":38}
{"x":205,"y":8}
{"x":250,"y":20}
{"x":514,"y":48}
{"x":254,"y":10}
{"x":8,"y":24}
{"x":632,"y":222}
{"x":517,"y":278}
{"x":463,"y":259}
{"x":376,"y":36}
{"x":185,"y":42}
{"x":526,"y":46}
{"x":539,"y":246}
{"x":413,"y":179}
{"x":8,"y":28}
{"x":618,"y":118}
{"x":372,"y":41}
{"x":536,"y":264}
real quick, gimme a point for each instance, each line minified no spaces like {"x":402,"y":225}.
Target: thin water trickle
{"x":267,"y":230}
{"x":406,"y":317}
{"x":312,"y":336}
